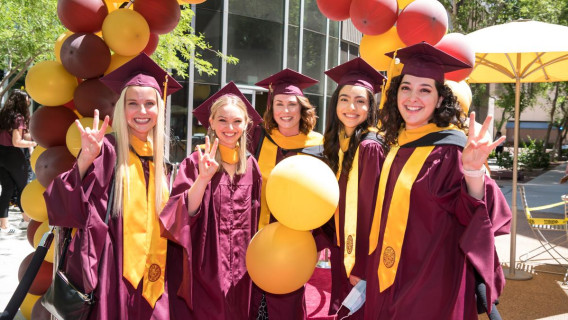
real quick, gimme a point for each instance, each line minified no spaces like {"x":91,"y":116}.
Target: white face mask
{"x":356,"y":297}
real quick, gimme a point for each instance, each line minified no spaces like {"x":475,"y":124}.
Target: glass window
{"x":272,"y":10}
{"x":317,"y":102}
{"x":209,"y":22}
{"x":294,"y":12}
{"x":258,"y":45}
{"x":353,"y":51}
{"x":334,"y":28}
{"x":313,"y":59}
{"x":313,"y":19}
{"x":293,"y":46}
{"x":211,"y":4}
{"x":344,"y":52}
{"x":331,"y":62}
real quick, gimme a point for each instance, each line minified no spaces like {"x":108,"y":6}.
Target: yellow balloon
{"x":59,"y":43}
{"x":50,"y":84}
{"x":302,"y":192}
{"x":116,"y":61}
{"x":373,"y":48}
{"x":33,"y":202}
{"x":462,"y":92}
{"x":28,"y":304}
{"x":403,"y":3}
{"x":126,"y":32}
{"x":73,"y":137}
{"x":41,"y":230}
{"x":190,"y":1}
{"x":38,"y":150}
{"x":281,"y":260}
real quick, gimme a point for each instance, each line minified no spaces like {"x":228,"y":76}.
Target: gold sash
{"x":228,"y":155}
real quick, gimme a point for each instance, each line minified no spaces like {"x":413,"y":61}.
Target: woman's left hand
{"x":479,"y":145}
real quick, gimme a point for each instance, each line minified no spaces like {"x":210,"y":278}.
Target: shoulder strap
{"x":445,"y":137}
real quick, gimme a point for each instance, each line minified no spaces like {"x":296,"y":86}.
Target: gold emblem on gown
{"x":154,"y":272}
{"x":389,"y":257}
{"x":349,"y":244}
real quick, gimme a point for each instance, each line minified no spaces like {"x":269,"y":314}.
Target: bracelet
{"x":474,"y":173}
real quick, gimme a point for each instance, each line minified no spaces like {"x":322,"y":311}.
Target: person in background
{"x":437,"y":211}
{"x":213,"y":213}
{"x":14,"y":122}
{"x":500,"y":146}
{"x":355,"y":152}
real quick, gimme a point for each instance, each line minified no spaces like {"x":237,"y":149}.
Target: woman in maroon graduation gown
{"x":354,"y":151}
{"x":287,"y":130}
{"x":213,"y":213}
{"x":124,"y":262}
{"x":437,"y":211}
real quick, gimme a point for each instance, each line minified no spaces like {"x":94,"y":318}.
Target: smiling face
{"x":352,"y":107}
{"x":141,"y":110}
{"x":229,"y":123}
{"x":417,"y":99}
{"x":287,"y":114}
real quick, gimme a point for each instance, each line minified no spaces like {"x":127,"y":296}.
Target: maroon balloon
{"x":373,"y":17}
{"x":335,"y":9}
{"x":93,"y":94}
{"x":422,"y":20}
{"x":162,"y":15}
{"x":152,"y":44}
{"x":39,"y":312}
{"x":43,"y":277}
{"x":82,"y":15}
{"x":48,"y":125}
{"x":85,"y":55}
{"x":32,"y":227}
{"x":51,"y":163}
{"x":457,"y":45}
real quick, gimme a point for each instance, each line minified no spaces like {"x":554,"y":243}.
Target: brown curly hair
{"x":308,"y":114}
{"x":15,"y":106}
{"x":390,"y":119}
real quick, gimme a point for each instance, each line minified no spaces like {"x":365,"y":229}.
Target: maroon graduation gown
{"x":215,"y":282}
{"x":448,"y":234}
{"x":82,"y":203}
{"x":371,"y":157}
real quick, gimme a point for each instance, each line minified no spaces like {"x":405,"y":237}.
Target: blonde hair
{"x":158,"y":136}
{"x":230,"y":99}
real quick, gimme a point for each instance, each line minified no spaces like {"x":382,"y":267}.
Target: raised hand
{"x":479,"y":145}
{"x":92,"y":138}
{"x":207,"y":164}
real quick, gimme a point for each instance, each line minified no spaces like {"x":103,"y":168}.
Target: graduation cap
{"x":426,"y":61}
{"x":203,"y":112}
{"x":287,"y":81}
{"x":140,"y":71}
{"x":357,"y":72}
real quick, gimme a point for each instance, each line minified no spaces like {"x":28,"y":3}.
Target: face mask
{"x":356,"y":297}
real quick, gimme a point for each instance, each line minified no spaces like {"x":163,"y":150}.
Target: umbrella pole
{"x":511,"y":273}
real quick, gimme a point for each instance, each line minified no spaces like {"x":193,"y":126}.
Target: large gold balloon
{"x":33,"y":202}
{"x":126,"y":32}
{"x":116,"y":61}
{"x":373,"y":48}
{"x":302,"y":192}
{"x":462,"y":92}
{"x":50,"y":84}
{"x":281,"y":260}
{"x":28,"y":304}
{"x":41,"y":230}
{"x":59,"y":43}
{"x":35,"y":154}
{"x":73,"y":137}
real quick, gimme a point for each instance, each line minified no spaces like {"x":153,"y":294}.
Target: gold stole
{"x":267,"y":161}
{"x":228,"y":155}
{"x":397,"y":216}
{"x":144,"y":251}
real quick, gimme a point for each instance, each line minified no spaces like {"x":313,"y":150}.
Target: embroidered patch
{"x":154,"y":272}
{"x":349,"y":244}
{"x":389,"y":257}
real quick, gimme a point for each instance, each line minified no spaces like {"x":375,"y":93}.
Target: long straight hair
{"x":158,"y":136}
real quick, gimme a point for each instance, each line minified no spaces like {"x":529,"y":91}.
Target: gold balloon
{"x":38,"y":150}
{"x":50,"y":84}
{"x":302,"y":192}
{"x":190,"y":1}
{"x":126,"y":32}
{"x":73,"y":137}
{"x":281,"y":260}
{"x":33,"y":202}
{"x":201,"y":91}
{"x":373,"y":48}
{"x":59,"y":43}
{"x":116,"y":61}
{"x":28,"y":304}
{"x":403,"y":3}
{"x":462,"y":92}
{"x":41,"y":230}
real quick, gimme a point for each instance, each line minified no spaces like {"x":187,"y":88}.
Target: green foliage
{"x":505,"y":161}
{"x":534,"y":156}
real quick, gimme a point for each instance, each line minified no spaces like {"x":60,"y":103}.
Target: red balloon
{"x":39,"y":312}
{"x":93,"y":94}
{"x":152,"y":44}
{"x":335,"y":9}
{"x":162,"y":15}
{"x":422,"y":20}
{"x":82,"y":15}
{"x":42,"y":280}
{"x":373,"y":17}
{"x":85,"y":55}
{"x":32,"y":227}
{"x":456,"y":45}
{"x":48,"y":125}
{"x":51,"y":163}
{"x":70,"y":105}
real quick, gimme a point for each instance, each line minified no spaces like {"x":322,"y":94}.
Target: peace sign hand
{"x":478,"y":145}
{"x":92,"y":138}
{"x":207,"y":164}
